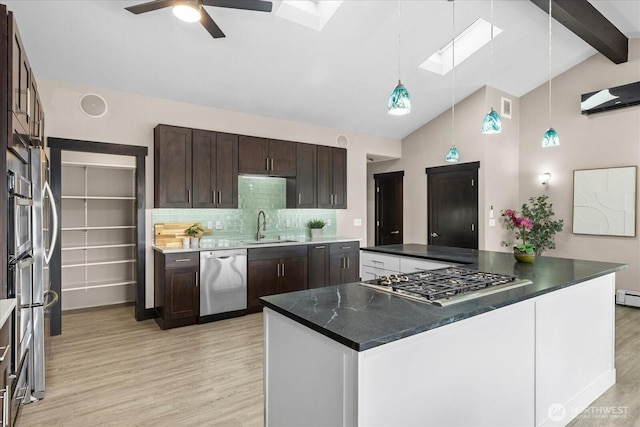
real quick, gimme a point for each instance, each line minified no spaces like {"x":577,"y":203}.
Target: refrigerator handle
{"x":54,"y":215}
{"x":51,"y":303}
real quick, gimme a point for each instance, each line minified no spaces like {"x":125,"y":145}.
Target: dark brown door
{"x":306,"y":177}
{"x":226,"y":171}
{"x":204,"y":161}
{"x":293,"y":274}
{"x":172,"y":167}
{"x":282,"y":158}
{"x":339,"y":178}
{"x":318,"y":260}
{"x":253,"y":155}
{"x":389,"y":208}
{"x":261,"y":280}
{"x":183,"y":296}
{"x":452,"y":205}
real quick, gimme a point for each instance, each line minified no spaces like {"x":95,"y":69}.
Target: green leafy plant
{"x":537,"y":233}
{"x":194,"y":230}
{"x":316,"y":223}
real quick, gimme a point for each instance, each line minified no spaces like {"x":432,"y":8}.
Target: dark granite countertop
{"x":362,"y":318}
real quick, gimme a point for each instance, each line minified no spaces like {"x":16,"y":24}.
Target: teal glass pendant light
{"x":550,"y":138}
{"x":399,"y":101}
{"x":453,"y":155}
{"x":492,"y":123}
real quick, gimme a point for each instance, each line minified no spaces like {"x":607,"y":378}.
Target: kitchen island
{"x":351,"y":355}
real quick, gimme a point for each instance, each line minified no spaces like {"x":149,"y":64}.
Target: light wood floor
{"x":107,"y":369}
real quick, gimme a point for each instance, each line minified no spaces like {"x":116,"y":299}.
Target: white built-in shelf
{"x":106,"y":262}
{"x":103,"y":227}
{"x":98,"y":165}
{"x":97,"y":198}
{"x":89,"y":285}
{"x":80,"y":248}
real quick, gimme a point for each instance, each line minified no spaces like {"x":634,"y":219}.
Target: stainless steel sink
{"x":267,"y":241}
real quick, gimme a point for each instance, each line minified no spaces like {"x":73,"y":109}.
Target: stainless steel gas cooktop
{"x":445,"y":286}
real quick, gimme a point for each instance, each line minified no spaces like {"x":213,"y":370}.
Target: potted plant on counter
{"x":194,"y":231}
{"x":316,"y":225}
{"x":535,"y":226}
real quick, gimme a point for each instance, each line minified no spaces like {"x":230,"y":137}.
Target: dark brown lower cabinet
{"x":275,"y":271}
{"x":176,"y":289}
{"x":318,"y":260}
{"x":344,"y":263}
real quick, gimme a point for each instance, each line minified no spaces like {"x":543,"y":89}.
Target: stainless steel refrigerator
{"x":45,"y":226}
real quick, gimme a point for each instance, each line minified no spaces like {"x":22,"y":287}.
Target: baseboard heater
{"x":625,"y":297}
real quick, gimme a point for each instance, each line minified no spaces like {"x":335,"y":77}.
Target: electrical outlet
{"x":492,"y":222}
{"x":287,"y":223}
{"x":209,"y":225}
{"x":328,"y":223}
{"x":357,"y":222}
{"x":218,"y":225}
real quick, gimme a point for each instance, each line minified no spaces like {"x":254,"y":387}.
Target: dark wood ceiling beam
{"x":590,"y":25}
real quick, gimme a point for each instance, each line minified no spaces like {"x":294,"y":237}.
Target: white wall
{"x":595,"y":141}
{"x":131,"y":118}
{"x":427,"y":147}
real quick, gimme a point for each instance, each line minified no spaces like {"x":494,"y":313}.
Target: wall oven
{"x":20,"y":210}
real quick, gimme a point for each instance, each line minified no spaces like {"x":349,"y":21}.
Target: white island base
{"x":538,"y":362}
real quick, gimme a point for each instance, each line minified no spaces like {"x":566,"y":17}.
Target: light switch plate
{"x":209,"y":225}
{"x":218,"y":225}
{"x":287,"y":223}
{"x":492,"y":222}
{"x":328,"y":223}
{"x":357,"y":222}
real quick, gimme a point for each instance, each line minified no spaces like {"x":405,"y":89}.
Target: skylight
{"x":468,"y":42}
{"x":313,"y":14}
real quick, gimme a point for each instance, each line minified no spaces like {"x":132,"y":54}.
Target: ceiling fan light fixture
{"x":187,"y":12}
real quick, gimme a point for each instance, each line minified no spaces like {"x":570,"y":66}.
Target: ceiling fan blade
{"x":212,"y":27}
{"x":257,"y":5}
{"x":150,"y":6}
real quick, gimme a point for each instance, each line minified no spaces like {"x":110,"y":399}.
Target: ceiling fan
{"x":192,"y":10}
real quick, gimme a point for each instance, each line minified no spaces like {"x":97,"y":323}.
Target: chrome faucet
{"x":264,"y":225}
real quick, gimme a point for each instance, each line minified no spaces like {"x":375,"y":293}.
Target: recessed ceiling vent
{"x":93,"y":105}
{"x":342,"y":141}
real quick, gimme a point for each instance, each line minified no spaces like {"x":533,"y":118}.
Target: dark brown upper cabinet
{"x":215,"y":170}
{"x":332,"y":177}
{"x":172,"y":167}
{"x":261,"y":156}
{"x":303,"y":189}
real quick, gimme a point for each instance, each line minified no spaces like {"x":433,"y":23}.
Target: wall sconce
{"x":544,"y":178}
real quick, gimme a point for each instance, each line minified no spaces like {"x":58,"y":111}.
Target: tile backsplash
{"x":254,"y":194}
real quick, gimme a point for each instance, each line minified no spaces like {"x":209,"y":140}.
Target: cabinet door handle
{"x":299,"y":198}
{"x":395,"y":232}
{"x":5,"y":405}
{"x":283,"y":270}
{"x":197,"y":279}
{"x":213,"y":196}
{"x":188,"y":196}
{"x":182,"y":260}
{"x":348,"y":262}
{"x":345,"y":247}
{"x":278,"y":270}
{"x":319,"y":247}
{"x":219,"y":197}
{"x":271,"y":164}
{"x":266,"y":164}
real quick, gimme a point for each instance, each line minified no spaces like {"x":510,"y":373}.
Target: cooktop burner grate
{"x":445,"y":285}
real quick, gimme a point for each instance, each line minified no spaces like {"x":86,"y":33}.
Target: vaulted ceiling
{"x":339,"y":77}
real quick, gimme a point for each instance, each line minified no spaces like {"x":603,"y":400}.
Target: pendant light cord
{"x":399,"y":45}
{"x":550,"y":47}
{"x":453,"y":74}
{"x":491,"y":58}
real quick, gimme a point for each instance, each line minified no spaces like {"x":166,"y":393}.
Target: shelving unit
{"x":98,"y":234}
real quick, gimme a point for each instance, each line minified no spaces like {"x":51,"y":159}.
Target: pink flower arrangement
{"x":522,"y":224}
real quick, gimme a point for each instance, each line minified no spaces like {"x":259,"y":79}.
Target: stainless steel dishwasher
{"x":223,"y":284}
